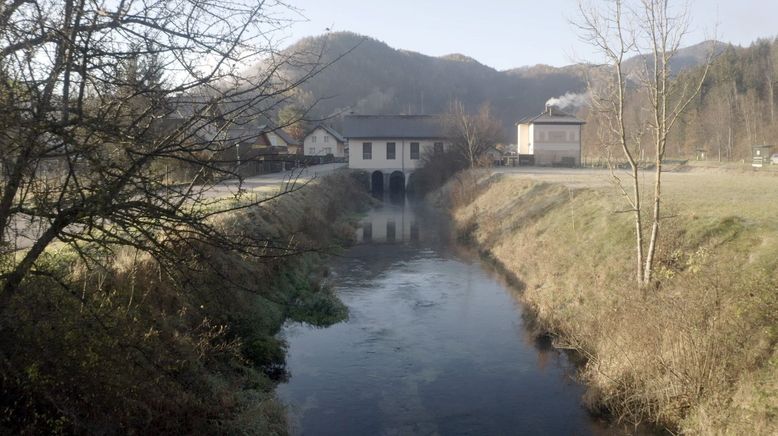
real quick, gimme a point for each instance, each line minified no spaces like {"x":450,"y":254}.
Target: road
{"x":574,"y":177}
{"x":26,"y":231}
{"x":229,"y":188}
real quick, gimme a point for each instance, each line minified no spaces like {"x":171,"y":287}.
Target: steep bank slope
{"x":697,"y":353}
{"x":117,"y":343}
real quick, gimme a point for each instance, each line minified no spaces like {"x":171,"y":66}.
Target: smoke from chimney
{"x":568,"y":100}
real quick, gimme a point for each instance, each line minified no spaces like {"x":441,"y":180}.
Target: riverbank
{"x":436,"y":343}
{"x":122,"y":344}
{"x":695,"y":355}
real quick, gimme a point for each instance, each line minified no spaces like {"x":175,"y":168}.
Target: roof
{"x":285,"y":137}
{"x":552,"y":115}
{"x":330,"y":130}
{"x":393,"y":126}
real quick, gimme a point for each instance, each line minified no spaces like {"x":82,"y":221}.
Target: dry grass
{"x":126,"y":345}
{"x":697,"y":353}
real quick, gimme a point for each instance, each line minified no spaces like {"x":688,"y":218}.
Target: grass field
{"x":696,"y":353}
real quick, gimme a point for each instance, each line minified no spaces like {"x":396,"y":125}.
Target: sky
{"x":506,"y":34}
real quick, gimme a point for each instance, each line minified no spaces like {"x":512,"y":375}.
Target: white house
{"x":324,"y":140}
{"x":391,"y":147}
{"x":553,"y":137}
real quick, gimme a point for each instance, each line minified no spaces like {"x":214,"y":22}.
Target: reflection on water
{"x":390,"y":224}
{"x":435,"y":344}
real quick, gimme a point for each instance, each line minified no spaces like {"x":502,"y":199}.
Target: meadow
{"x":695,"y":352}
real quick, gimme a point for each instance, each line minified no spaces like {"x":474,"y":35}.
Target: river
{"x":435,"y":343}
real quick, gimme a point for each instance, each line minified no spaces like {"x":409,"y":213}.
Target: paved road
{"x":301,"y":175}
{"x":595,"y":177}
{"x":26,"y":231}
{"x":578,"y":177}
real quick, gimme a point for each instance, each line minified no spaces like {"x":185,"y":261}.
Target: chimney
{"x":549,"y":109}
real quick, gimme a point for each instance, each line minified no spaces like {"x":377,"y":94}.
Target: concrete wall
{"x":401,"y":162}
{"x":523,"y":138}
{"x":386,"y":176}
{"x":320,"y":143}
{"x":550,"y":143}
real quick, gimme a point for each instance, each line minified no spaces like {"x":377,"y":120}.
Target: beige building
{"x":553,"y":138}
{"x":392,"y":147}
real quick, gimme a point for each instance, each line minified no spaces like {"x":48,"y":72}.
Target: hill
{"x":373,"y":78}
{"x":685,"y":58}
{"x":370,"y":77}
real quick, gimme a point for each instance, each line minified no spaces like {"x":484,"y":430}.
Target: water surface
{"x":434,"y":344}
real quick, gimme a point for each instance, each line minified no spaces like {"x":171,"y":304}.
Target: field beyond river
{"x":695,"y":354}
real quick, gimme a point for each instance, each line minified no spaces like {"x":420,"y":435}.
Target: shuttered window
{"x":390,"y":151}
{"x":414,"y":150}
{"x":367,"y":150}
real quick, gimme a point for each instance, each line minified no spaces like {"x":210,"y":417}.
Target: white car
{"x":774,"y":159}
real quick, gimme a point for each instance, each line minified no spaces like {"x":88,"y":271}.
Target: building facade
{"x":553,"y":138}
{"x":324,"y":140}
{"x":392,"y":147}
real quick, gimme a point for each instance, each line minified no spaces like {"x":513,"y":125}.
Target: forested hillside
{"x":373,"y":78}
{"x":736,"y":108}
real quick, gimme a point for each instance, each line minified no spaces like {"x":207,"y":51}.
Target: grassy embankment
{"x":137,"y":348}
{"x":696,"y":354}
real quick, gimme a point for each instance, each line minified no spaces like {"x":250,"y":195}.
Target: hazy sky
{"x":509,"y":33}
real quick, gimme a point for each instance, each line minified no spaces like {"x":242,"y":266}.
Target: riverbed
{"x":435,"y":343}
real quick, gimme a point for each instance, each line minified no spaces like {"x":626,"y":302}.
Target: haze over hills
{"x":374,"y":78}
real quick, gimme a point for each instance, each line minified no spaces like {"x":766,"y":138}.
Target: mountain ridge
{"x":375,"y":78}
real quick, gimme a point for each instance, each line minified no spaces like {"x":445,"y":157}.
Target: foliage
{"x":137,"y":347}
{"x":435,"y":172}
{"x":293,"y":119}
{"x":736,"y":108}
{"x":471,"y":135}
{"x":696,"y":354}
{"x":97,"y":103}
{"x":653,"y":30}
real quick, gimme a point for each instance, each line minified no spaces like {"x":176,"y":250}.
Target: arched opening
{"x":397,"y":183}
{"x":377,"y":182}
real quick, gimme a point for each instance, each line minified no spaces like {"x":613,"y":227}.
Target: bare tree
{"x":471,"y":134}
{"x":653,"y":30}
{"x":98,"y":100}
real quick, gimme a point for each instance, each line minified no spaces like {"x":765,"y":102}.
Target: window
{"x":438,"y":148}
{"x":390,"y":151}
{"x":367,"y":150}
{"x":326,"y":138}
{"x":557,"y":136}
{"x":311,"y":151}
{"x":414,"y":150}
{"x":313,"y":138}
{"x":327,"y":150}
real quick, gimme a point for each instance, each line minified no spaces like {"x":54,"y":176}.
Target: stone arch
{"x":377,"y":182}
{"x":397,"y":182}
